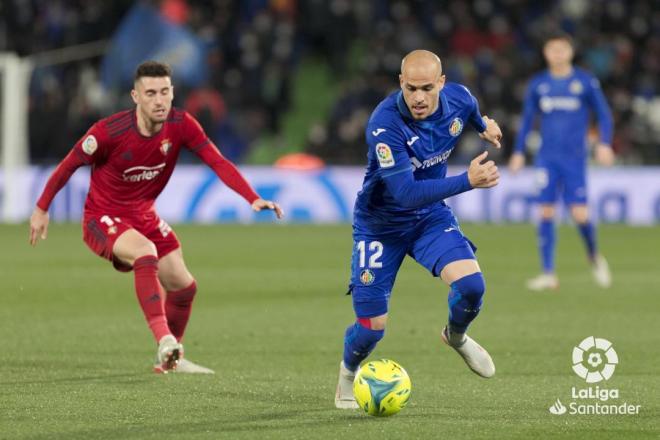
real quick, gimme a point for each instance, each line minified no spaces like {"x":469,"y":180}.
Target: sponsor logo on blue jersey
{"x":565,"y":103}
{"x":435,"y":160}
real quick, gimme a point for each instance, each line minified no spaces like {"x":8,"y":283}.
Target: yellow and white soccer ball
{"x":381,"y":388}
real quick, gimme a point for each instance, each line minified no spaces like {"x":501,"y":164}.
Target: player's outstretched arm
{"x":232,"y":177}
{"x":38,"y":225}
{"x":483,"y":175}
{"x":57,"y":180}
{"x":260,"y":204}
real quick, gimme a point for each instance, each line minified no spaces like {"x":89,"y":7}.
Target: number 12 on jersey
{"x":376,"y":250}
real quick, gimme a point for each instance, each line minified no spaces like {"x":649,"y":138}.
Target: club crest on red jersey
{"x":165,"y":146}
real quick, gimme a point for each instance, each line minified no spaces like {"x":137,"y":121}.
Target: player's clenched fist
{"x":492,"y":133}
{"x":483,"y":175}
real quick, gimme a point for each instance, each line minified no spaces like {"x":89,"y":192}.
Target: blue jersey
{"x":407,"y":168}
{"x":564,"y":104}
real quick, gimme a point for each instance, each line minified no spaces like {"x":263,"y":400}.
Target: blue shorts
{"x":434,"y":242}
{"x":558,"y":178}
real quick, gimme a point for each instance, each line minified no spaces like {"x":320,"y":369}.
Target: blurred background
{"x":267,"y":78}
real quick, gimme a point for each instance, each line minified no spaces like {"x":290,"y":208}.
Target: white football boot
{"x":188,"y":367}
{"x":168,"y":354}
{"x":544,"y":281}
{"x":344,"y":398}
{"x":472,"y":353}
{"x":601,"y":272}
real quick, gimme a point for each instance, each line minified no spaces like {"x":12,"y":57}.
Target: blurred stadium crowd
{"x":255,"y":48}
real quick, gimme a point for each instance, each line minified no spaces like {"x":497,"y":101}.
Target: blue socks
{"x":588,"y":232}
{"x":465,"y":298}
{"x":359,"y":341}
{"x":546,"y":236}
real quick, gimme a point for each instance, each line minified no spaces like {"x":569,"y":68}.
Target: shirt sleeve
{"x":194,"y":136}
{"x":388,"y":144}
{"x":410,"y":193}
{"x":90,"y":149}
{"x":197,"y":142}
{"x":603,"y":113}
{"x":475,"y":116}
{"x":529,"y":111}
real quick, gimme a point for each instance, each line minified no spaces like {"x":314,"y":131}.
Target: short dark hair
{"x":558,"y":35}
{"x":152,"y":69}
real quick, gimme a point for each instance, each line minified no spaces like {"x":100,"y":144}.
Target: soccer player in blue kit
{"x":563,"y":95}
{"x":400,"y":211}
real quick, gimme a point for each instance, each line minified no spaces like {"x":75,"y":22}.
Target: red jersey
{"x":129,"y":170}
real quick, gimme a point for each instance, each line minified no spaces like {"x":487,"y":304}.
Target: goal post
{"x":15,"y":74}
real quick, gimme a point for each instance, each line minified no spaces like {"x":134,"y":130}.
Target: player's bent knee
{"x":374,"y":323}
{"x":183,"y":296}
{"x":580,"y":215}
{"x":471,"y":287}
{"x":364,"y":339}
{"x":547,"y":212}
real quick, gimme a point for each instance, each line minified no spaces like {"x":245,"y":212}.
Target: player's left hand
{"x":260,"y":204}
{"x":604,"y":155}
{"x":492,"y":133}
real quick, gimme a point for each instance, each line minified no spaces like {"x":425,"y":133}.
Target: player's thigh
{"x":374,"y":264}
{"x":439,"y":243}
{"x":131,"y":245}
{"x":172,"y":271}
{"x":575,"y":185}
{"x":160,"y":234}
{"x":547,"y":181}
{"x":459,"y":269}
{"x":101,"y":234}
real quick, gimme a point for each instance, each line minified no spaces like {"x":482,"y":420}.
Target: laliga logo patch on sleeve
{"x":384,"y":154}
{"x":90,"y":145}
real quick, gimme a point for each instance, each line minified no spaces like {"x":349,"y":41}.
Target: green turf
{"x":270,"y":317}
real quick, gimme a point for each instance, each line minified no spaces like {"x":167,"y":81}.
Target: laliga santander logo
{"x":594,"y":359}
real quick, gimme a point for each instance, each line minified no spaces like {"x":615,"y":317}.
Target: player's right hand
{"x":483,"y":175}
{"x":260,"y":204}
{"x":516,"y":162}
{"x":38,"y":225}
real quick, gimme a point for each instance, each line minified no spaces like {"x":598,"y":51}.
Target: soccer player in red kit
{"x":132,"y":155}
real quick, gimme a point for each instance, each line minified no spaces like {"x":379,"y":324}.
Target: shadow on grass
{"x":288,"y":423}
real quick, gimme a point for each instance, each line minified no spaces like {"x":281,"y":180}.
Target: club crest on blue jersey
{"x":385,"y":158}
{"x":165,"y":146}
{"x":367,"y":277}
{"x":456,"y":127}
{"x":575,"y":87}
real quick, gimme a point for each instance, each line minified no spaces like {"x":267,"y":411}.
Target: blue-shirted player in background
{"x":400,"y":211}
{"x":563,"y":96}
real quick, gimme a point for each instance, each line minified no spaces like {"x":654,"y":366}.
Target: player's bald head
{"x":421,"y":64}
{"x":421,"y":81}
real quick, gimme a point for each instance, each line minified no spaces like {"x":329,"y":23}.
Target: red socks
{"x":150,"y":295}
{"x":177,"y":307}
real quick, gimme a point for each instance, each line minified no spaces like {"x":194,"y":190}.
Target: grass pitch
{"x":269,"y":318}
